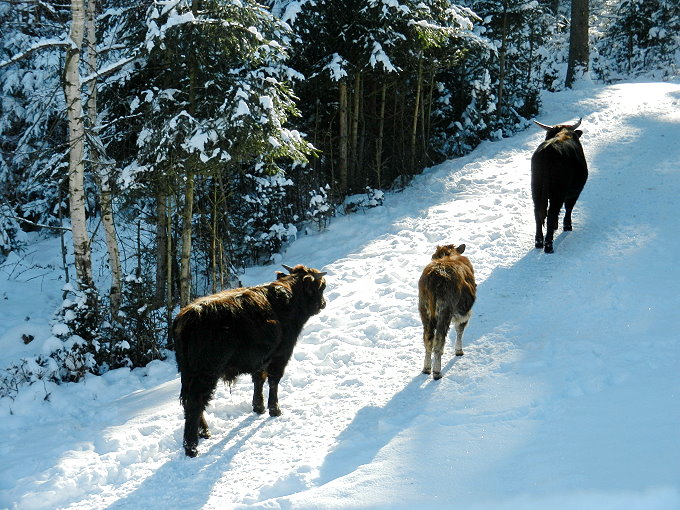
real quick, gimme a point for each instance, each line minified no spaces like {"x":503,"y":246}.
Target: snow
{"x":336,"y":67}
{"x":568,"y":396}
{"x":378,"y":55}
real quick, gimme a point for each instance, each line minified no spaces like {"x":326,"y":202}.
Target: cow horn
{"x":287,"y":268}
{"x":544,"y":126}
{"x":577,"y":124}
{"x":318,"y":276}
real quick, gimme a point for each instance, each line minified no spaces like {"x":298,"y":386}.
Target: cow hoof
{"x":436,"y":376}
{"x":427,"y":371}
{"x":459,"y":353}
{"x":549,"y":248}
{"x":567,"y":228}
{"x":259,"y":409}
{"x":539,"y":244}
{"x":191,"y":450}
{"x":275,"y":411}
{"x":205,"y":433}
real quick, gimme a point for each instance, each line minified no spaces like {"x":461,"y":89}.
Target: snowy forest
{"x":168,"y":145}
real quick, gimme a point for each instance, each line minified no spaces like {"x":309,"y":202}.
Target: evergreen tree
{"x":642,"y":38}
{"x":32,"y":124}
{"x":370,"y":70}
{"x":210,"y":99}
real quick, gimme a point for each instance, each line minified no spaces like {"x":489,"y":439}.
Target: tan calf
{"x":446,"y":293}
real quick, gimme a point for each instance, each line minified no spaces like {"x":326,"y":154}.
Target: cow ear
{"x":578,"y":133}
{"x":280,"y":274}
{"x":309,"y":284}
{"x":461,"y":249}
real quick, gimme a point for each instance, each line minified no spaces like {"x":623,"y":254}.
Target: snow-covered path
{"x":568,"y":395}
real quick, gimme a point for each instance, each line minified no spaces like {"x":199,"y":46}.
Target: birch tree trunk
{"x":100,"y":171}
{"x":76,"y":132}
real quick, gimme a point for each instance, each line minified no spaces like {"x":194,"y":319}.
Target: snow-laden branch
{"x":49,"y":43}
{"x":106,"y":70}
{"x":65,"y":43}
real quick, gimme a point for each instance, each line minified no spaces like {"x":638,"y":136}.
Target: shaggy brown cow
{"x":558,"y":174}
{"x":446,"y":292}
{"x":251,"y":330}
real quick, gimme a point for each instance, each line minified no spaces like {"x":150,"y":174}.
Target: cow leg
{"x":460,"y":328}
{"x":203,"y":430}
{"x":444,"y":316}
{"x":552,"y":222}
{"x":258,"y":398}
{"x":274,"y":375}
{"x":428,"y":336}
{"x":196,"y":393}
{"x":568,"y":207}
{"x":539,"y":215}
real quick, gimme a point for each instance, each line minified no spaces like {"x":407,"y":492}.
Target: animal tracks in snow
{"x":529,"y":405}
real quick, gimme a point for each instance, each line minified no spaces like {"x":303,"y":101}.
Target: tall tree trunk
{"x":169,"y":259}
{"x":76,"y":132}
{"x":185,"y":254}
{"x":501,"y":65}
{"x":213,"y":240}
{"x":578,"y":41}
{"x":379,"y":139}
{"x":354,"y":139}
{"x":416,"y":111}
{"x":161,"y":247}
{"x":343,"y":159}
{"x":100,"y":171}
{"x":188,"y":210}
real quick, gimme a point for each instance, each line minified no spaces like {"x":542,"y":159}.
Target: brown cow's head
{"x":313,"y":285}
{"x":447,"y":251}
{"x":568,"y":130}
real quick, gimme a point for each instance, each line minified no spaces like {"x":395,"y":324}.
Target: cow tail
{"x":178,"y":334}
{"x":540,"y":185}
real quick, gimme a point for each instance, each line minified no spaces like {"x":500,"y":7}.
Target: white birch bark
{"x":101,"y":171}
{"x":76,"y":130}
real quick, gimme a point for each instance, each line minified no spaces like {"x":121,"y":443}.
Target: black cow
{"x":558,"y":174}
{"x":250,"y":330}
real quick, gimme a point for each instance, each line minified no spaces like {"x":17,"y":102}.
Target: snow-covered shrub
{"x":139,"y":334}
{"x":320,"y":209}
{"x":76,"y":323}
{"x":25,"y":372}
{"x":267,"y":214}
{"x":371,"y":198}
{"x":11,"y":235}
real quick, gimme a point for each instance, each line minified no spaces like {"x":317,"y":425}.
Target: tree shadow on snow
{"x":183,"y":482}
{"x":517,"y":304}
{"x":500,"y":296}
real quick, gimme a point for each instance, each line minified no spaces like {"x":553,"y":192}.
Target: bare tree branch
{"x":40,"y":225}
